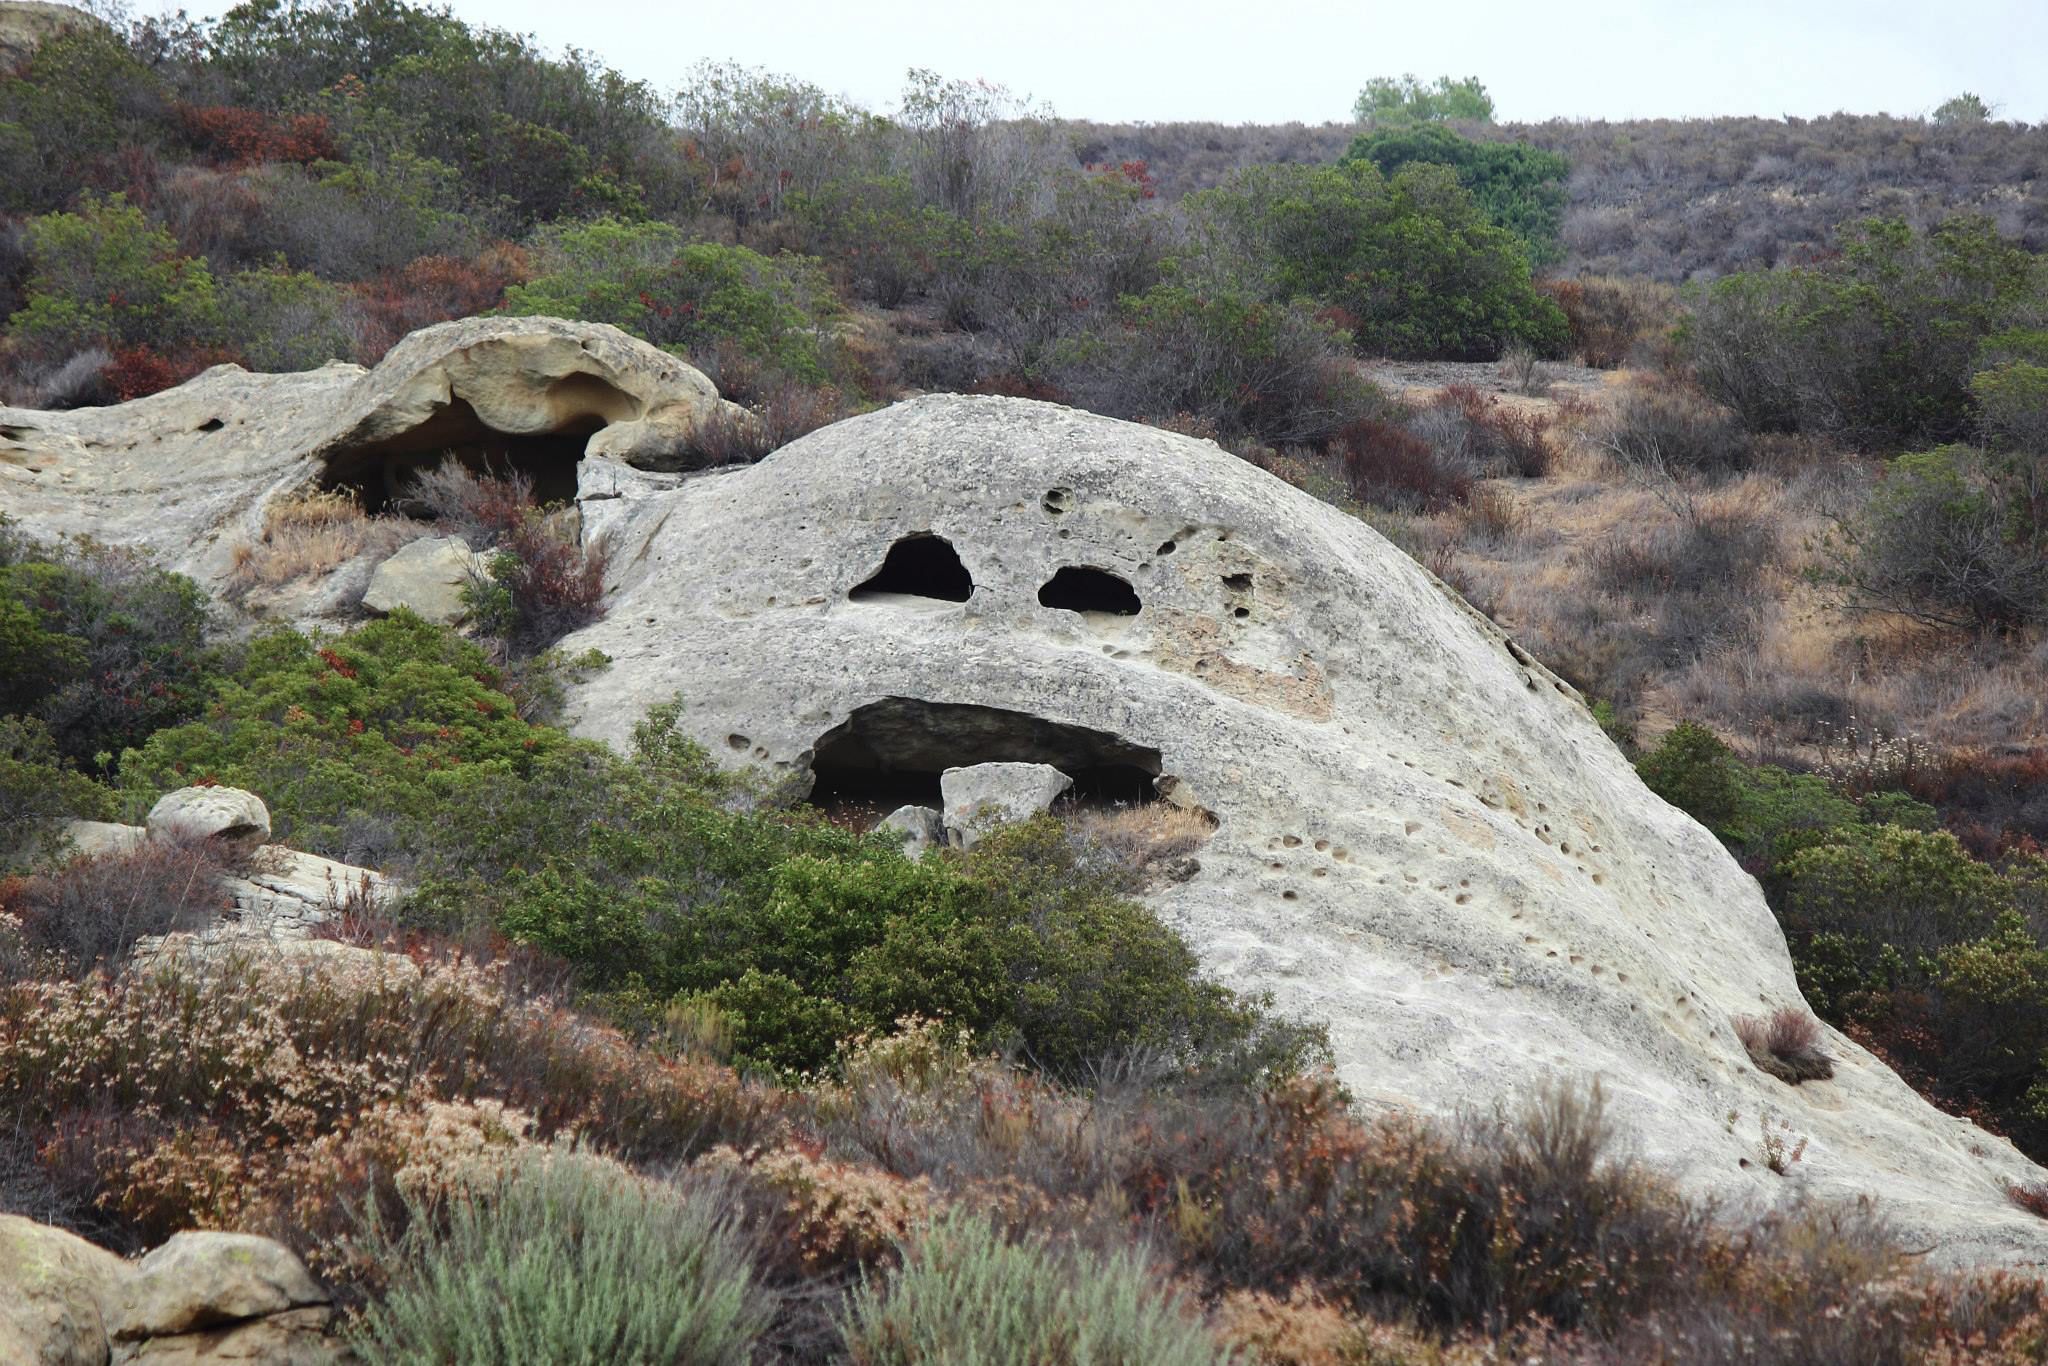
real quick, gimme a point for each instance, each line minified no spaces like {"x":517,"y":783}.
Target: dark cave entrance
{"x":378,"y":471}
{"x":920,"y":566}
{"x":890,"y":753}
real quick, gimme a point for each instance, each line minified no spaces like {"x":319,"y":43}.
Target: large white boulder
{"x":1423,"y":840}
{"x":235,"y":818}
{"x":51,"y":1286}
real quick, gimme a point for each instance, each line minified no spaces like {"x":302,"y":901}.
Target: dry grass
{"x":313,"y":533}
{"x":1151,"y":838}
{"x":1786,"y":1044}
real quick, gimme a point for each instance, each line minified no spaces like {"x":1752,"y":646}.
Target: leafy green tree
{"x":1521,"y":188}
{"x":1410,"y":263}
{"x":1964,"y":109}
{"x":103,"y":276}
{"x":1389,"y":101}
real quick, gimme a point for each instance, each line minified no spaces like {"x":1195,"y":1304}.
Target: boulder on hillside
{"x":206,"y":1279}
{"x":296,"y":1337}
{"x":428,"y":576}
{"x":919,"y":827}
{"x":237,"y":819}
{"x":52,"y":1284}
{"x":980,"y":798}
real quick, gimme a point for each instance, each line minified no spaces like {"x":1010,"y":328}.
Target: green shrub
{"x":376,"y":725}
{"x":287,"y":320}
{"x":891,"y":245}
{"x":98,"y":646}
{"x":646,"y":279}
{"x":80,"y":97}
{"x":967,"y":1294}
{"x":39,"y":790}
{"x":1693,"y":770}
{"x":1410,"y":263}
{"x":102,"y":276}
{"x":1950,"y":536}
{"x":566,"y":1258}
{"x":1400,"y":101}
{"x":1222,"y":356}
{"x":1521,"y":188}
{"x":1877,"y":346}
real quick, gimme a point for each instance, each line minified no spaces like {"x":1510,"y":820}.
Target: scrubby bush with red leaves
{"x":236,"y":137}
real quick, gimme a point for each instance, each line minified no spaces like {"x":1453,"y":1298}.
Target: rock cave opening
{"x":923,"y":565}
{"x":378,"y":471}
{"x":890,"y":753}
{"x":1084,"y":588}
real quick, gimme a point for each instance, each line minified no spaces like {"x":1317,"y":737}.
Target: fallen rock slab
{"x":980,"y":798}
{"x":427,"y":576}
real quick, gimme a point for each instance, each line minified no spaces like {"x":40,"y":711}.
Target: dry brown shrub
{"x":314,"y":532}
{"x":1661,"y":427}
{"x":1147,"y":837}
{"x":1615,"y":320}
{"x":90,"y":912}
{"x":833,"y":1216}
{"x":1785,"y":1044}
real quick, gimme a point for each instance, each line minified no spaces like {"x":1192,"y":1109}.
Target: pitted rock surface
{"x":1424,"y":839}
{"x":227,"y":814}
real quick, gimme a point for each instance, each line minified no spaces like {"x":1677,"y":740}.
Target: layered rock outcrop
{"x":187,"y":473}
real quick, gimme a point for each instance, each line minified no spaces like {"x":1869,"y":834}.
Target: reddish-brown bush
{"x":1616,"y":321}
{"x":236,"y":137}
{"x":90,"y":912}
{"x":434,"y":289}
{"x":140,"y":370}
{"x":1391,"y":467}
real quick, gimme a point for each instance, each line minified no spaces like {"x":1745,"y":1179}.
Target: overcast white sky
{"x":1240,"y":62}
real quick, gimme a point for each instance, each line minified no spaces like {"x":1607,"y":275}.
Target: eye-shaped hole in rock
{"x":1238,"y":583}
{"x":920,"y":566}
{"x":1084,"y":588}
{"x":890,"y":753}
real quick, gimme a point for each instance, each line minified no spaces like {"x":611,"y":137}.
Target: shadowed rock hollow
{"x":186,"y":473}
{"x":1424,"y":838}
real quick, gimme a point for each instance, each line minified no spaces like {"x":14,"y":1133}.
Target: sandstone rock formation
{"x":919,"y":826}
{"x":186,"y":473}
{"x":200,"y":1298}
{"x":236,"y":818}
{"x":428,"y":576}
{"x":206,"y":1279}
{"x":981,"y":797}
{"x":1423,"y":837}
